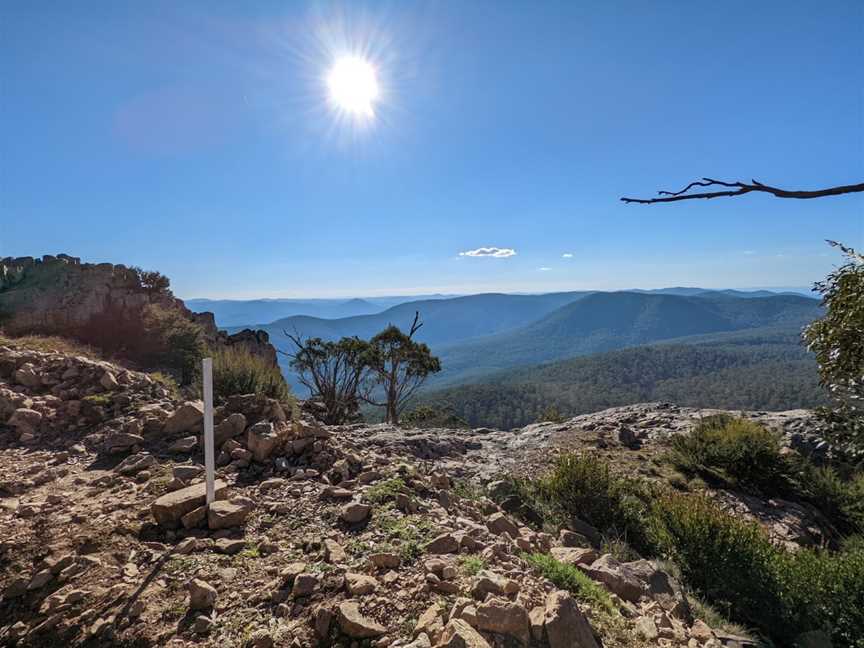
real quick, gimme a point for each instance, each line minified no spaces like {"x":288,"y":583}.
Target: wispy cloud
{"x":567,"y":255}
{"x":496,"y":252}
{"x":544,"y":269}
{"x":749,"y":252}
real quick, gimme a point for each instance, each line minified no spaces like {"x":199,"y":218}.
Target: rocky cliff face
{"x":59,"y":295}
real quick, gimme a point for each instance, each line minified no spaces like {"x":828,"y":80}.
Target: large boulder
{"x":229,"y":428}
{"x":262,"y":440}
{"x":225,"y":515}
{"x":202,"y":595}
{"x":25,"y":420}
{"x":617,"y":577}
{"x":171,"y":507}
{"x":566,"y":626}
{"x":357,"y":626}
{"x":504,"y":617}
{"x":186,"y":418}
{"x":458,"y":634}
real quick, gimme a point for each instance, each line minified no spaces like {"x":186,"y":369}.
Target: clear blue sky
{"x":195,"y":138}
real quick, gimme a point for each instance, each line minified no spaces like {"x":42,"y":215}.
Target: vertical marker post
{"x":208,"y":428}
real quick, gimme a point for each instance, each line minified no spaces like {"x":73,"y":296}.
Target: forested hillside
{"x":768,"y":369}
{"x":607,"y":321}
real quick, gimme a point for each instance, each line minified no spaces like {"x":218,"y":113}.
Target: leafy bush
{"x":170,"y":340}
{"x":570,"y":578}
{"x":582,"y":487}
{"x":840,"y":500}
{"x":734,"y":451}
{"x":236,"y":371}
{"x":729,"y":562}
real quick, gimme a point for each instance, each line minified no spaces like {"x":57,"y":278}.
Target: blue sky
{"x":196,"y":138}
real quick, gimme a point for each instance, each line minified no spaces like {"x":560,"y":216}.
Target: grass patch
{"x":98,"y":400}
{"x":570,"y":578}
{"x":472,"y":565}
{"x":408,"y":533}
{"x":168,"y":382}
{"x":51,"y":344}
{"x":467,"y":490}
{"x":236,"y":371}
{"x":385,"y":491}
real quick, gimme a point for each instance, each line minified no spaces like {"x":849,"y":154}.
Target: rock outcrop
{"x":59,"y":295}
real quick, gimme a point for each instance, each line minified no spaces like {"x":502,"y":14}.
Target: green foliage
{"x":409,"y":532}
{"x":728,"y":561}
{"x":747,"y":370}
{"x":167,"y":382}
{"x":734,"y":565}
{"x":742,"y":454}
{"x":735,"y":451}
{"x":837,"y":339}
{"x":170,"y":340}
{"x":432,"y":416}
{"x":582,"y":487}
{"x":472,"y":565}
{"x":570,"y":578}
{"x":385,"y":490}
{"x":398,"y":366}
{"x":551,"y":415}
{"x":236,"y":371}
{"x":332,"y":372}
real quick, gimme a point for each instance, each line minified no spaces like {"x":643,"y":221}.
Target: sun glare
{"x":353,"y":86}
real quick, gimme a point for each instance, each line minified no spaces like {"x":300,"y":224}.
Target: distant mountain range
{"x":478,"y":335}
{"x":252,"y":313}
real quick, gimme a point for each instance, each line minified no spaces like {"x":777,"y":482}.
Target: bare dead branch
{"x":739,"y":189}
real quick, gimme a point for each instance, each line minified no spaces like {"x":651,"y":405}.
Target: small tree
{"x":837,"y":339}
{"x":397,"y":366}
{"x":332,"y":372}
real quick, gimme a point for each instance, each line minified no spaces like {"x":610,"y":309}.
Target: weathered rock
{"x":186,"y":418}
{"x":262,"y":440}
{"x":186,"y":444}
{"x":333,"y":552}
{"x":499,"y":523}
{"x":446,"y":543}
{"x":202,"y":595}
{"x":227,"y":514}
{"x":229,"y":428}
{"x":135,"y":463}
{"x":356,"y":625}
{"x":171,"y":507}
{"x":355,"y":512}
{"x":574,"y":555}
{"x":360,"y":584}
{"x":25,"y":421}
{"x":122,"y":441}
{"x":566,"y":626}
{"x":504,"y":617}
{"x":617,"y":577}
{"x":488,"y":582}
{"x":458,"y":634}
{"x":304,"y":584}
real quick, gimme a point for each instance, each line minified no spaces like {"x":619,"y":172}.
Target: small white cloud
{"x":567,"y":255}
{"x":749,"y":252}
{"x":496,"y":252}
{"x":544,"y":269}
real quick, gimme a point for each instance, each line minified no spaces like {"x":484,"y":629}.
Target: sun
{"x":353,"y":86}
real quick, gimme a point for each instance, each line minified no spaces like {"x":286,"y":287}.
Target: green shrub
{"x":236,"y":371}
{"x":171,"y":341}
{"x":734,"y":451}
{"x":840,"y":500}
{"x":570,"y":578}
{"x":582,"y":487}
{"x":734,"y":565}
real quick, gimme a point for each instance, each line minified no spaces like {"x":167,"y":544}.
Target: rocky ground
{"x":356,"y":535}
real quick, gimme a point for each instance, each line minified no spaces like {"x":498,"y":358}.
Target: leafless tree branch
{"x":739,"y":189}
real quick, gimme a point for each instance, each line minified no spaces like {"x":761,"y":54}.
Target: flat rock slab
{"x":171,"y":507}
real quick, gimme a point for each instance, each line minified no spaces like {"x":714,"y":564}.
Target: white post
{"x":208,"y":428}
